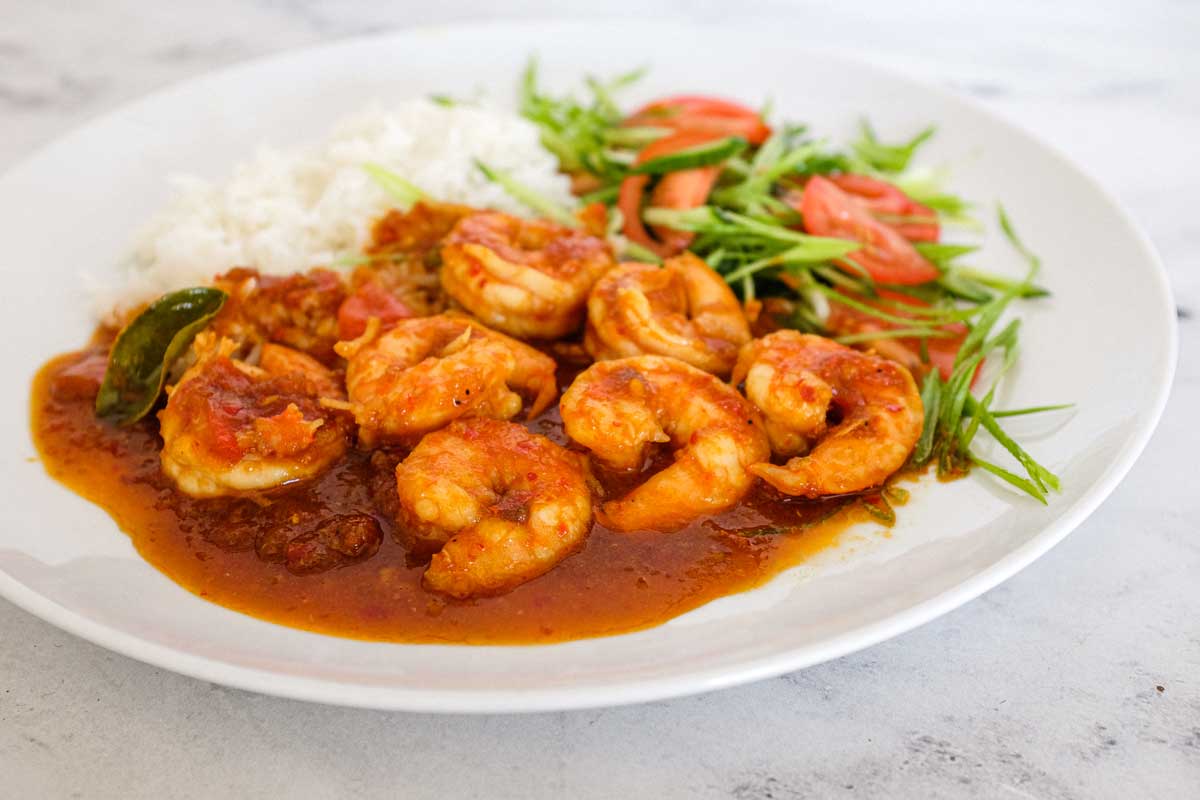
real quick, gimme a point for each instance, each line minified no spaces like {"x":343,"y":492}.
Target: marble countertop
{"x":1080,"y":677}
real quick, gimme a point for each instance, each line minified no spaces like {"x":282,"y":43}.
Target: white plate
{"x":74,"y":205}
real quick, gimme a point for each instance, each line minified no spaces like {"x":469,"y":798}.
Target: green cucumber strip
{"x":704,"y":155}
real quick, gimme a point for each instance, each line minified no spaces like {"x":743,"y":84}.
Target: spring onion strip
{"x":1026,"y":289}
{"x":639,"y":253}
{"x":1021,"y":412}
{"x":528,"y":197}
{"x":404,"y":193}
{"x":894,"y":333}
{"x":1016,"y":480}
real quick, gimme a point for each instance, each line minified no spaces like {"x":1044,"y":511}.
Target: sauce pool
{"x":619,"y":582}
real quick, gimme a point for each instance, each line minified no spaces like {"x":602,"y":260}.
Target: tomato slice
{"x":892,"y":207}
{"x":710,"y":115}
{"x":370,"y":300}
{"x":687,"y":188}
{"x":942,"y":351}
{"x":629,"y":201}
{"x":886,"y":255}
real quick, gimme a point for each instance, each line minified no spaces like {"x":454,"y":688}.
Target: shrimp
{"x":500,"y":504}
{"x":426,"y":372}
{"x":683,"y":309}
{"x":298,"y":310}
{"x":232,"y":428}
{"x":528,"y":278}
{"x":861,"y":413}
{"x":619,"y":409}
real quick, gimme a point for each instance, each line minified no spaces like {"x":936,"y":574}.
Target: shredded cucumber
{"x":704,"y":155}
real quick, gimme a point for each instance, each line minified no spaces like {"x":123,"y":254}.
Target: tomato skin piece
{"x":680,"y":190}
{"x":886,"y":255}
{"x":711,"y":115}
{"x":219,"y":432}
{"x":885,"y":200}
{"x":370,"y":300}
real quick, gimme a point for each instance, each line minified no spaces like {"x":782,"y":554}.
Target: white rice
{"x":289,"y":210}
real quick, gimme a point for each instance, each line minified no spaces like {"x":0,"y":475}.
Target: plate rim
{"x":660,"y":688}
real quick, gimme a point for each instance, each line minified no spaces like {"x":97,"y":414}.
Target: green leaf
{"x":146,"y":348}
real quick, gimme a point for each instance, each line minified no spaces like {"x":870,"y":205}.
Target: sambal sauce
{"x":292,"y":558}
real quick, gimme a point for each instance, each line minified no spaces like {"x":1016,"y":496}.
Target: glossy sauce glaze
{"x":237,"y":552}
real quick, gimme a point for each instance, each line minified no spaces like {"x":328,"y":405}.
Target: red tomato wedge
{"x":892,"y":207}
{"x":886,"y":255}
{"x":684,"y":189}
{"x":370,"y":300}
{"x":710,"y":115}
{"x":942,"y":351}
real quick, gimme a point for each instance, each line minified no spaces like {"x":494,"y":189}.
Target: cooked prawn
{"x":862,"y":414}
{"x":426,"y":372}
{"x":231,"y":428}
{"x":299,"y":310}
{"x":683,"y":309}
{"x":619,"y":409}
{"x":528,"y":278}
{"x":503,"y":505}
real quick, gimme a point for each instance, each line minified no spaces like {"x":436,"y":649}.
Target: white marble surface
{"x":1078,"y":678}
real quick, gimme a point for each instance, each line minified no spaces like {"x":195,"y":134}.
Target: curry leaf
{"x":146,"y":348}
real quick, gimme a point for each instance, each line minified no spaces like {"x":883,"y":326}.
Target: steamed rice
{"x":289,"y":210}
